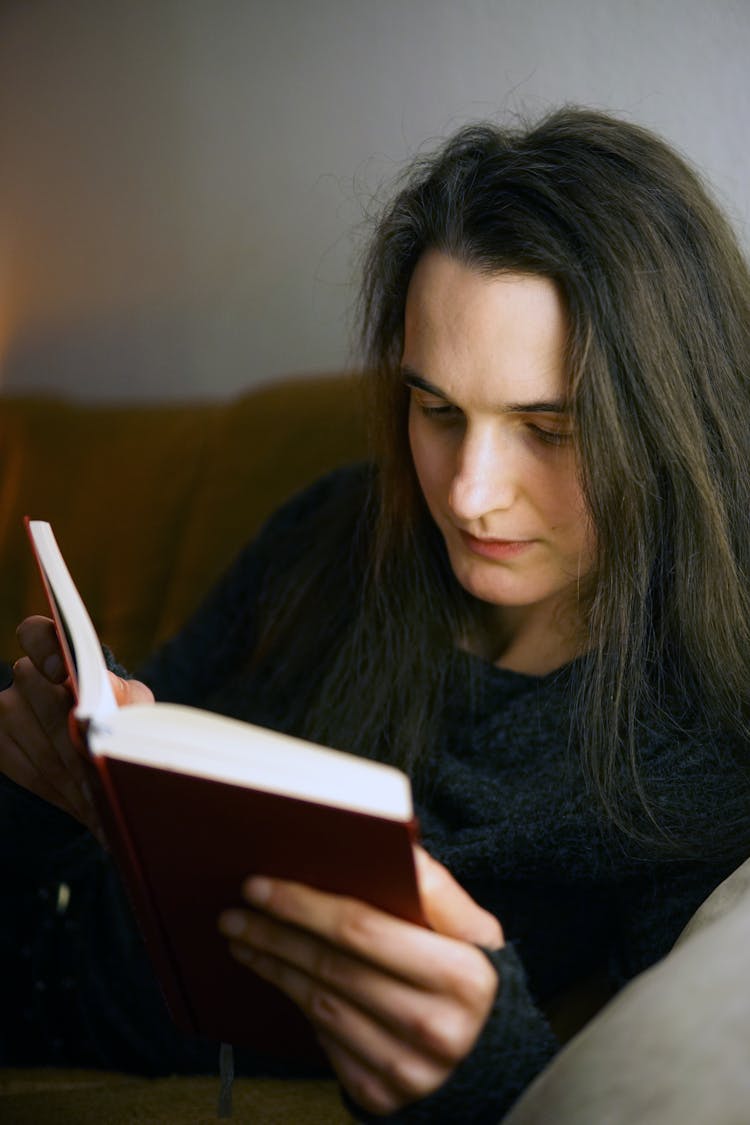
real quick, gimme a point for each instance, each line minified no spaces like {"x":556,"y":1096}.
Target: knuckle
{"x":368,"y":1092}
{"x":325,"y":965}
{"x":355,"y":926}
{"x":260,"y":929}
{"x":322,"y":1007}
{"x":471,"y":978}
{"x":23,"y":670}
{"x":447,"y":1033}
{"x":491,"y":936}
{"x":408,"y":1075}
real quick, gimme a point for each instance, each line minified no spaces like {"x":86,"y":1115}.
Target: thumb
{"x":129,"y":691}
{"x":449,"y":909}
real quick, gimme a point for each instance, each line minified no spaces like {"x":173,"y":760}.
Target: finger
{"x":449,"y":909}
{"x":443,"y":1025}
{"x":48,"y":711}
{"x":429,"y":960}
{"x":408,"y":1072}
{"x":22,"y":770}
{"x":48,"y":734}
{"x":128,"y":692}
{"x":35,"y":716}
{"x":38,"y":770}
{"x":368,"y":1085}
{"x":34,"y":712}
{"x":397,"y":1074}
{"x":38,"y":639}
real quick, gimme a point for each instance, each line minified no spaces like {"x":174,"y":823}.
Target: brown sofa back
{"x":150,"y":503}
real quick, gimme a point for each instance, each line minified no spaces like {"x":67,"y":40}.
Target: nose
{"x":486,"y":476}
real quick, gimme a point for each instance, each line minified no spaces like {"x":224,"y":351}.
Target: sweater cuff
{"x":515,"y":1044}
{"x":114,"y":665}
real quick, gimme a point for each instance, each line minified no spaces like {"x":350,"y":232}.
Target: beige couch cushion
{"x":673,"y":1048}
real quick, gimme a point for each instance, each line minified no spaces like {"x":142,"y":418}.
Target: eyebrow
{"x":542,"y":406}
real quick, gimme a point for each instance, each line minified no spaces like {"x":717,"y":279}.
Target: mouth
{"x":495,"y":548}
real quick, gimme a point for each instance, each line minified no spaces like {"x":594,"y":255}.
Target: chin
{"x":496,"y":586}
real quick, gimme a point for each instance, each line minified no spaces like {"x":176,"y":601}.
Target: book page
{"x":187,"y":740}
{"x":81,"y":647}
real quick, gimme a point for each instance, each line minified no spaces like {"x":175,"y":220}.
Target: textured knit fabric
{"x":508,"y":813}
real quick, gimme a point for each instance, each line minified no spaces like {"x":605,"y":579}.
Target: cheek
{"x":431,"y":463}
{"x":559,"y":498}
{"x":575,"y":522}
{"x":553,"y":483}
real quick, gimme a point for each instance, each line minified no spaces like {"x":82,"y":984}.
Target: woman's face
{"x":489,"y":432}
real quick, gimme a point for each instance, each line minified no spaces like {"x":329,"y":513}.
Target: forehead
{"x":463,"y":324}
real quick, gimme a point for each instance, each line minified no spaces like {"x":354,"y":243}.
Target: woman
{"x":536,"y":602}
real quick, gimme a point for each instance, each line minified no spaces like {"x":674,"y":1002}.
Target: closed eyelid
{"x":415,"y":382}
{"x":430,"y":400}
{"x":437,"y":407}
{"x":426,"y":398}
{"x":553,"y":418}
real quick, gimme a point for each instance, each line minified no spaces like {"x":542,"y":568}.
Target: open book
{"x":192,"y":803}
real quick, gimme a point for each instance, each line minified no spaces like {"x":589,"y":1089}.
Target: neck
{"x":534,"y":640}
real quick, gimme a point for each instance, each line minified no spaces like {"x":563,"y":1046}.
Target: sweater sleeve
{"x":515,"y":1044}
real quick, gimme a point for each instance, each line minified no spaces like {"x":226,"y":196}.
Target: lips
{"x":495,"y":548}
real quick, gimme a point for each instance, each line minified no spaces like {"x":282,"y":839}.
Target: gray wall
{"x":181,"y":181}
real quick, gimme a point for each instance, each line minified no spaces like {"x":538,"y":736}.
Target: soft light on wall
{"x":184,"y":181}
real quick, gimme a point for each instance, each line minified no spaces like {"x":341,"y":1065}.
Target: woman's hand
{"x":395,"y":1006}
{"x":36,"y":750}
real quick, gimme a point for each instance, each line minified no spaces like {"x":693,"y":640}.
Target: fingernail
{"x":232,"y":923}
{"x":257,"y":890}
{"x":120,"y":688}
{"x":53,"y":667}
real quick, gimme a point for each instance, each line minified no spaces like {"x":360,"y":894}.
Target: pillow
{"x":672,"y":1046}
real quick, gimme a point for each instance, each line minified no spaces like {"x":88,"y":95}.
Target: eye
{"x":435,"y":408}
{"x":550,"y":436}
{"x":443,"y":410}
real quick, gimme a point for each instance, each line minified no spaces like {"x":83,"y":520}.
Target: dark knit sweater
{"x":508,"y":813}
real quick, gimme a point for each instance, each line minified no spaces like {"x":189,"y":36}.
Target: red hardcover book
{"x":192,"y":803}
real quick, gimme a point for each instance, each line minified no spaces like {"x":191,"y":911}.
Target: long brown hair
{"x":658,"y":300}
